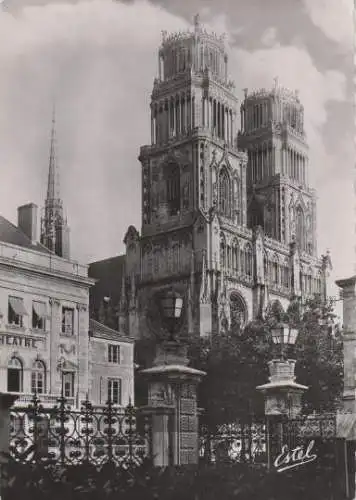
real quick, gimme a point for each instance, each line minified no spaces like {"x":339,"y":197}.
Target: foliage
{"x":319,"y":354}
{"x":238,"y":482}
{"x":236,"y":362}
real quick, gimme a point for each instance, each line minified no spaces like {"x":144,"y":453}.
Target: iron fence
{"x":244,"y":442}
{"x":63,"y":435}
{"x":259,"y":441}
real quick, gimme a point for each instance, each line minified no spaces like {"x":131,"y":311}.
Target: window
{"x":238,"y":313}
{"x":39,"y":315}
{"x":275,"y":273}
{"x":248,"y":261}
{"x":114,"y":391}
{"x":173,"y":189}
{"x":16,"y":311}
{"x":68,"y":320}
{"x":38,"y":378}
{"x":114,"y":353}
{"x":300,"y":228}
{"x":224,"y":193}
{"x":68,"y":384}
{"x":14,"y":375}
{"x":222,"y":251}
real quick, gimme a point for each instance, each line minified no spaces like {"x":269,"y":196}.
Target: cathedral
{"x":228,"y":215}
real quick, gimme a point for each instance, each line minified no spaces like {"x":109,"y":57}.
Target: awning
{"x":40,"y":309}
{"x":17,"y":306}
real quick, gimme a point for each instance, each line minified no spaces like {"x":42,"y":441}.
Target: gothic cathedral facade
{"x":228,"y":216}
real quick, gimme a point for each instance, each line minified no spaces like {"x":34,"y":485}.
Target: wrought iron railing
{"x":26,"y":398}
{"x":251,"y":442}
{"x":61,"y":435}
{"x":236,"y":442}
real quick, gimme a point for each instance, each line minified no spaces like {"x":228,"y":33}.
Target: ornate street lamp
{"x":284,"y":335}
{"x":282,"y":393}
{"x":171,"y":309}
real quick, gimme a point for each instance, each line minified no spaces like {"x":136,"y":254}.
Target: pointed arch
{"x":275,"y":269}
{"x":286,"y":273}
{"x":300,"y":227}
{"x":266,"y":266}
{"x":222,"y":251}
{"x":238,"y":311}
{"x":224,"y":192}
{"x":235,"y":255}
{"x":236,"y":198}
{"x":248,"y":260}
{"x":173,"y":188}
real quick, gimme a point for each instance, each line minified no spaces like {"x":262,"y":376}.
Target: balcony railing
{"x":25,"y":398}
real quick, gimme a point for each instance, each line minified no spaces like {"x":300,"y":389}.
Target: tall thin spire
{"x":53,"y":189}
{"x":54,"y":231}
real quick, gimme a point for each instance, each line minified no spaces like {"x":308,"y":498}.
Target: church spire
{"x":54,"y":228}
{"x":53,"y":189}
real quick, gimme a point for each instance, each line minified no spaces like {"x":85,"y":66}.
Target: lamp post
{"x":283,"y":395}
{"x":172,"y":389}
{"x":171,"y":349}
{"x":284,"y":336}
{"x":171,"y":309}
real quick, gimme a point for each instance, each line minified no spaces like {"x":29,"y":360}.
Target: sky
{"x":97,"y":59}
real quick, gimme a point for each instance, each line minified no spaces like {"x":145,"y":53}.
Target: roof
{"x":100,"y":331}
{"x":9,"y":233}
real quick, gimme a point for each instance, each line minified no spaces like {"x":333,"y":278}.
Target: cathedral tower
{"x":279,"y":196}
{"x":193,"y":176}
{"x":54,"y":227}
{"x":228,"y":219}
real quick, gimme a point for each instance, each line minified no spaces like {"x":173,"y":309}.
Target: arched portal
{"x":238,"y":311}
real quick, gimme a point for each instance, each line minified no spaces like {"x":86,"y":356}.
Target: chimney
{"x":27,"y":220}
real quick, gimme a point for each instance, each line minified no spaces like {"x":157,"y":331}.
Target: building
{"x":47,"y":344}
{"x":348,"y":293}
{"x":228,"y":216}
{"x":111,"y":365}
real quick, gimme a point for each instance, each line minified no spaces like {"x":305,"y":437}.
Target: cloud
{"x":100,"y":58}
{"x":269,"y":36}
{"x":334,"y":18}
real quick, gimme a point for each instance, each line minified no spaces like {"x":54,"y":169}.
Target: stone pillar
{"x":172,"y":403}
{"x":283,"y":400}
{"x":283,"y":396}
{"x":6,"y":402}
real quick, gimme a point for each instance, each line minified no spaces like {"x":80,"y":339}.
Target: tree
{"x":236,"y":362}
